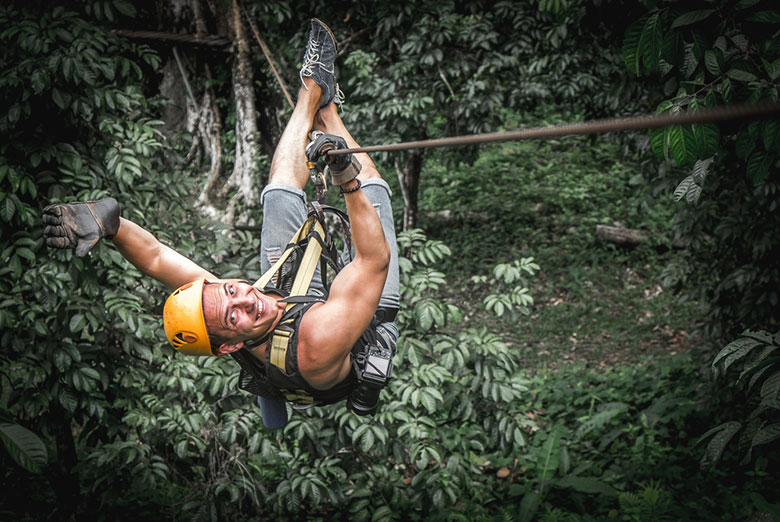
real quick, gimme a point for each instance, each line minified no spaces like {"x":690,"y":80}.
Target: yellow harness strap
{"x":280,"y":340}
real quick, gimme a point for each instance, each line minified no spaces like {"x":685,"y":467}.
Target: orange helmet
{"x":185,"y":325}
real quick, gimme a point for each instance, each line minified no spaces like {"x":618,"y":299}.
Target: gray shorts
{"x":284,"y":211}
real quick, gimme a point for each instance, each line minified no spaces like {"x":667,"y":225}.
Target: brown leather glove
{"x":80,"y":225}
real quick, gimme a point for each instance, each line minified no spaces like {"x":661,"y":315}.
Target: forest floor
{"x":608,"y":315}
{"x":593,"y":303}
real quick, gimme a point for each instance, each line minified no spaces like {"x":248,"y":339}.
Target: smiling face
{"x":235,"y":311}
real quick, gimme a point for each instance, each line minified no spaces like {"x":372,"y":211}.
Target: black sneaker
{"x":319,"y":60}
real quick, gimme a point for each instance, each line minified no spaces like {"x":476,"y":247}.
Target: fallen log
{"x":448,"y":216}
{"x":620,"y":236}
{"x":628,"y":237}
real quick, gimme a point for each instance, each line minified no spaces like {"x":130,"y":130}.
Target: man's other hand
{"x":343,"y":168}
{"x":80,"y":225}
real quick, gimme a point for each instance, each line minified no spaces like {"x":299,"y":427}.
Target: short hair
{"x":214,"y":339}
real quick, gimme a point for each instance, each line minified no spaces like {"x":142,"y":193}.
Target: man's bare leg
{"x":328,"y":121}
{"x":288,"y":166}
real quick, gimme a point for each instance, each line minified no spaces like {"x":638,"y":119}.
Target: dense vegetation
{"x":539,"y":376}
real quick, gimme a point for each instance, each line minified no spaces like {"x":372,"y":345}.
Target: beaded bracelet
{"x":350,"y":191}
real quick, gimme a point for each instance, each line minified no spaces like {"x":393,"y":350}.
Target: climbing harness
{"x":290,"y":276}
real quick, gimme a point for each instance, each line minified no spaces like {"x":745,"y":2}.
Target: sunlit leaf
{"x":683,"y":145}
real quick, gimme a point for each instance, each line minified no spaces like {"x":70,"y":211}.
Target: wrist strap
{"x":350,"y":191}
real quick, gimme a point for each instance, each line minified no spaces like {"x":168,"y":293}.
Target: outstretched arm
{"x":81,"y":225}
{"x":152,"y":258}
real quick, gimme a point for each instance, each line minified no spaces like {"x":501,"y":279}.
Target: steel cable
{"x":654,"y":121}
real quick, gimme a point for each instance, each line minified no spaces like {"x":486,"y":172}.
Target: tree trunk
{"x":63,"y":478}
{"x":244,"y":176}
{"x":209,"y":130}
{"x":409,"y":179}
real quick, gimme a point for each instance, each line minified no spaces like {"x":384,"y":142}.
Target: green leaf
{"x":24,"y":446}
{"x":683,"y":145}
{"x":741,"y":72}
{"x":529,"y":506}
{"x":707,"y":138}
{"x":691,"y":17}
{"x":754,"y":362}
{"x":587,"y":485}
{"x":77,"y":323}
{"x":694,"y":192}
{"x":358,"y":433}
{"x":601,"y":418}
{"x":757,"y":376}
{"x":746,"y":4}
{"x":68,"y":400}
{"x":726,"y":90}
{"x":659,"y":142}
{"x":683,"y":188}
{"x":767,"y":17}
{"x":424,"y":315}
{"x":14,"y":112}
{"x":772,"y":68}
{"x":632,"y":48}
{"x":650,"y":42}
{"x":700,"y":170}
{"x":771,"y":134}
{"x":550,"y":455}
{"x":734,"y":351}
{"x":758,"y":167}
{"x":125,"y":7}
{"x":56,"y":95}
{"x":711,"y":61}
{"x":766,"y":435}
{"x":367,"y":441}
{"x":26,"y":253}
{"x":771,"y":387}
{"x":745,"y":145}
{"x":383,"y":513}
{"x":717,"y":445}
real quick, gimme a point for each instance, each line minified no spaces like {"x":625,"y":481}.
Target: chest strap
{"x":314,"y":234}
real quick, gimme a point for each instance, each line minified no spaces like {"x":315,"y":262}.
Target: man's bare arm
{"x":332,"y":328}
{"x":152,"y":258}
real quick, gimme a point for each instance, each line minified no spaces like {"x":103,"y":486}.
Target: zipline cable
{"x":654,"y":121}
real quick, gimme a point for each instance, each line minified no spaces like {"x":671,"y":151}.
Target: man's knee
{"x":284,"y":177}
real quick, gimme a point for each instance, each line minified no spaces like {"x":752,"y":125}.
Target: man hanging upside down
{"x":330,"y":332}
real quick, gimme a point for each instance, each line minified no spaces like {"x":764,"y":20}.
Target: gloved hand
{"x":80,"y":225}
{"x":342,"y":168}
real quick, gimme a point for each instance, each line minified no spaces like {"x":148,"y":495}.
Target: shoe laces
{"x":339,"y":97}
{"x":311,"y":59}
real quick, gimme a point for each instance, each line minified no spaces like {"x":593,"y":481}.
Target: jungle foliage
{"x":99,"y":419}
{"x":707,"y":54}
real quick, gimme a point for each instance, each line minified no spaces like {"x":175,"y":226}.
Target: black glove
{"x":342,"y":167}
{"x":80,"y":225}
